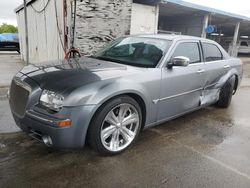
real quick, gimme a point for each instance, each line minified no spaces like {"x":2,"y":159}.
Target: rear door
{"x":216,"y":67}
{"x":181,"y":87}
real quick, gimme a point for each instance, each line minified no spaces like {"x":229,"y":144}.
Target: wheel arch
{"x":223,"y":80}
{"x":134,"y":96}
{"x":236,"y":84}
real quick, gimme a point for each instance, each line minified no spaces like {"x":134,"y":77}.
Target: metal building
{"x":100,"y":21}
{"x":45,"y":23}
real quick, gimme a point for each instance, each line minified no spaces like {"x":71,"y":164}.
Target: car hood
{"x":63,"y":75}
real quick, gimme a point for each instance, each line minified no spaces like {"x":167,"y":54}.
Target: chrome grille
{"x":19,"y":94}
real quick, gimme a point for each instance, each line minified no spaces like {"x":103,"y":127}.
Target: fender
{"x":112,"y":90}
{"x":97,"y":93}
{"x":226,"y":77}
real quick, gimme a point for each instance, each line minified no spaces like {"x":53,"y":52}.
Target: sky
{"x":7,"y":14}
{"x":241,"y":7}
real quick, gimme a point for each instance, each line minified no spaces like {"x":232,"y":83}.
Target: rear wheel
{"x":115,"y":126}
{"x":226,"y":93}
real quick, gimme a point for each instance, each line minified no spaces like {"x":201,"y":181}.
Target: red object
{"x":72,"y":51}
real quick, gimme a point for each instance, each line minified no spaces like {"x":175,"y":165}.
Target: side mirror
{"x":179,"y":61}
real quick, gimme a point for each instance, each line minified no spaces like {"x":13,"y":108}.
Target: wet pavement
{"x":207,"y":148}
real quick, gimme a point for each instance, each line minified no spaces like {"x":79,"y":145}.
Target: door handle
{"x":227,"y":66}
{"x":200,"y":71}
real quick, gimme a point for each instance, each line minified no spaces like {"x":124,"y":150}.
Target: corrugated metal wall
{"x":144,"y":19}
{"x":44,"y":37}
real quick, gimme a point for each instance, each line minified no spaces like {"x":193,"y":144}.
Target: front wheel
{"x":115,"y":126}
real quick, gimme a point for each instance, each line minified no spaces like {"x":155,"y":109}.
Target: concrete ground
{"x":207,"y":148}
{"x":10,"y":64}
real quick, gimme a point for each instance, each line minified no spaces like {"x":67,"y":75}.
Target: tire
{"x":226,"y":93}
{"x":113,"y":117}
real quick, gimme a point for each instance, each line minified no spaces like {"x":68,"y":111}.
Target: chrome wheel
{"x":120,"y":127}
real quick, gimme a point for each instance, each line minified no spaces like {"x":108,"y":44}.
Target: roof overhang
{"x":224,"y":21}
{"x":20,"y":7}
{"x":207,"y":10}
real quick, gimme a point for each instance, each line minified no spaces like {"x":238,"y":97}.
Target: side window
{"x":211,"y":52}
{"x":190,"y":50}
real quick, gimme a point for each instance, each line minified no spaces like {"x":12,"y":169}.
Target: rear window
{"x":244,"y":43}
{"x":211,"y":52}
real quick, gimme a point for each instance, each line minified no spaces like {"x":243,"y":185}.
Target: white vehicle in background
{"x":244,"y":47}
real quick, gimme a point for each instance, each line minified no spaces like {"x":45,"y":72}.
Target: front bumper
{"x":38,"y":122}
{"x":39,"y":126}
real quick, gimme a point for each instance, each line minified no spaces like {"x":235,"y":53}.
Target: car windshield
{"x":135,"y":51}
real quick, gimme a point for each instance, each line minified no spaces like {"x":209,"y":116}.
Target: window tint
{"x":189,"y":50}
{"x":135,"y":51}
{"x":211,"y":52}
{"x":244,"y":43}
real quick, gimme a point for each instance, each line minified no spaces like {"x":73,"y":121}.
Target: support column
{"x":205,"y":24}
{"x":157,"y":14}
{"x":234,"y":51}
{"x":26,"y":31}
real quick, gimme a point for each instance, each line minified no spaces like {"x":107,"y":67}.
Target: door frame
{"x":164,"y":69}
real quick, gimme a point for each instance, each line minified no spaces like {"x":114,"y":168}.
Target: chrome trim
{"x":217,"y":61}
{"x":227,"y":66}
{"x":211,"y":85}
{"x":119,"y":130}
{"x":155,"y":101}
{"x":50,"y":122}
{"x":39,"y":118}
{"x":173,"y":96}
{"x":201,"y":71}
{"x":195,"y":64}
{"x":22,"y":84}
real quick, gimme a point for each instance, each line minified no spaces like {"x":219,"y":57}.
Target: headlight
{"x":52,"y":100}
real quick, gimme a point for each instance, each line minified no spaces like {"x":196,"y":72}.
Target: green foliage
{"x":6,"y":28}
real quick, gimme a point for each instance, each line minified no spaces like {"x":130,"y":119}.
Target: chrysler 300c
{"x":108,"y":98}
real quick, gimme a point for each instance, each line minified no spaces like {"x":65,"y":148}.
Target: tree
{"x":7,"y":28}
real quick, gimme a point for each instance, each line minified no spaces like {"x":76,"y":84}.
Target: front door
{"x":181,"y":87}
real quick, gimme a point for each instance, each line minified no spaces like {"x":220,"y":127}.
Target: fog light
{"x":64,"y":123}
{"x":47,"y":140}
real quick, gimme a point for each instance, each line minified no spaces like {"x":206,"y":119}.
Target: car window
{"x":189,"y":50}
{"x":135,"y":51}
{"x":244,"y":43}
{"x":211,"y":52}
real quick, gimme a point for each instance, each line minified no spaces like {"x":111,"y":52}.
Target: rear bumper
{"x":244,"y":51}
{"x":9,"y":46}
{"x":38,"y":125}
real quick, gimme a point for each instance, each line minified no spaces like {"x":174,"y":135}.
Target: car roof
{"x":173,"y":37}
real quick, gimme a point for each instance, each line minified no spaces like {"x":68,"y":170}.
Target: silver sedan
{"x":136,"y":82}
